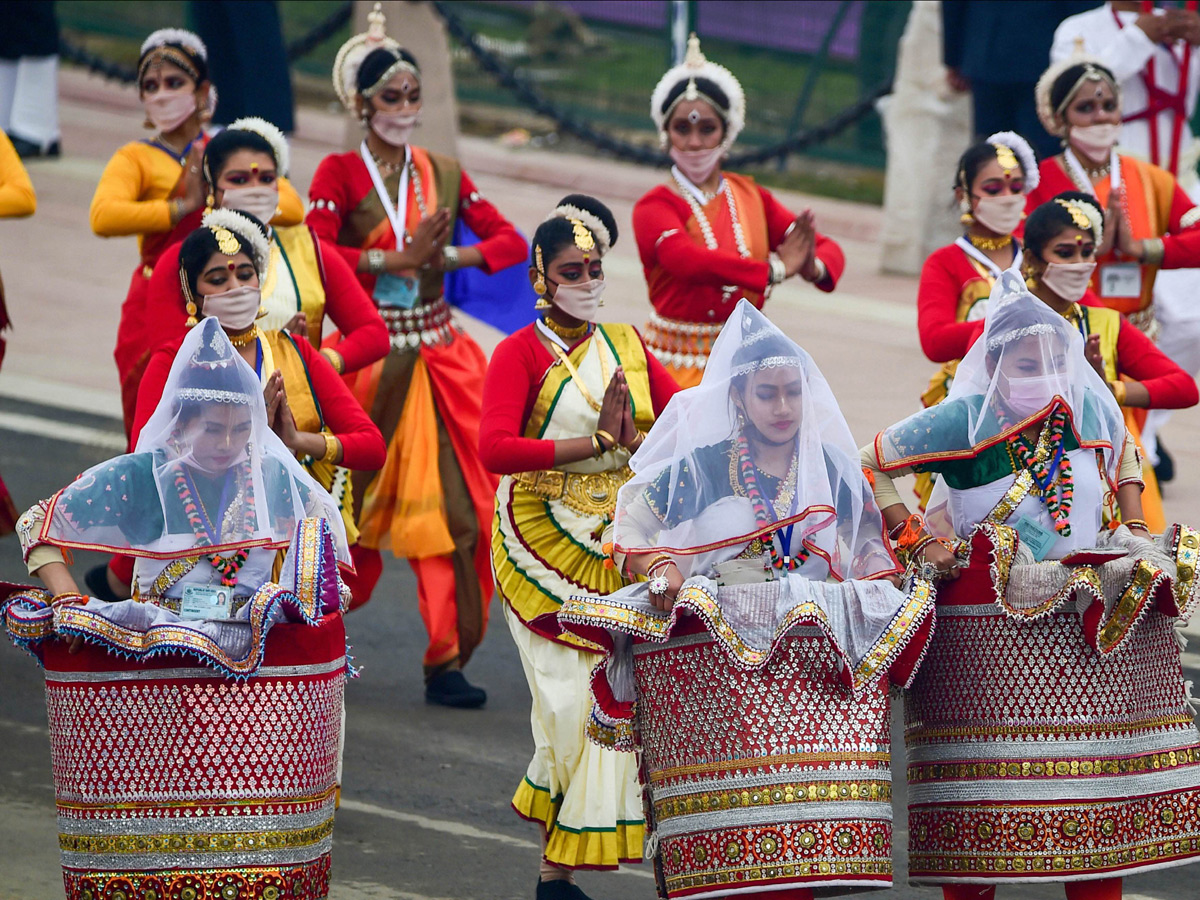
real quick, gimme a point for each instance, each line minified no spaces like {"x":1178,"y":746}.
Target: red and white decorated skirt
{"x":1033,"y":757}
{"x":763,"y":780}
{"x":173,"y":782}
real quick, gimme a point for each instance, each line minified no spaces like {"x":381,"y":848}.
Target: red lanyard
{"x":1159,"y":100}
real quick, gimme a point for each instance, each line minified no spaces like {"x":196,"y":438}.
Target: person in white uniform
{"x":1154,"y":58}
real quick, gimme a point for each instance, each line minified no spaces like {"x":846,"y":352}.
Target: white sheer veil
{"x":176,"y":495}
{"x":688,"y":495}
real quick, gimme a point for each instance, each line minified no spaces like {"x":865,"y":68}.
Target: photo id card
{"x":205,"y":601}
{"x":1121,"y":280}
{"x":1037,"y":537}
{"x":396,"y":291}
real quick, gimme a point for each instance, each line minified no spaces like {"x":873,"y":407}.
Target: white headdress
{"x":1024,"y":154}
{"x":352,"y":53}
{"x":694,"y":66}
{"x":178,"y":36}
{"x":244,"y":232}
{"x":590,"y":221}
{"x":1052,"y":117}
{"x":163,"y":46}
{"x":269,"y":133}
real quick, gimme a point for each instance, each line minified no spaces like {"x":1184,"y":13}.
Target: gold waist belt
{"x":684,"y":345}
{"x":428,"y":324}
{"x":587,"y":493}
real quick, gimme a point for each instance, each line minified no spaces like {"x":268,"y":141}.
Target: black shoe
{"x":1164,"y":471}
{"x":559,"y":890}
{"x":29,"y":150}
{"x":452,"y":689}
{"x":96,"y":580}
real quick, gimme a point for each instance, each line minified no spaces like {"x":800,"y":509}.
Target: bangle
{"x":822,"y":270}
{"x":1152,"y":251}
{"x":1119,"y":391}
{"x":335,"y":359}
{"x":778,"y":270}
{"x":597,"y":447}
{"x":1139,"y":523}
{"x":612,"y":441}
{"x":450,"y":259}
{"x":177,"y":212}
{"x":68,"y":598}
{"x":661,"y":560}
{"x":333,"y":447}
{"x":921,"y":545}
{"x":376,"y":261}
{"x":912,"y":530}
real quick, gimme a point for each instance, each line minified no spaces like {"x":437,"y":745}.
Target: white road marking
{"x":458,"y":829}
{"x":369,"y":890}
{"x":62,"y":431}
{"x":61,"y":394}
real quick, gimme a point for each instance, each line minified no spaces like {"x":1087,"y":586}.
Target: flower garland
{"x":193,"y":509}
{"x":761,"y":514}
{"x":1051,"y":469}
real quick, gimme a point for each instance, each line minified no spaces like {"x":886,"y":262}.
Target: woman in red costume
{"x":1061,"y":239}
{"x":708,"y":238}
{"x":1151,"y":221}
{"x":990,"y":186}
{"x":432,"y":502}
{"x":154,"y":189}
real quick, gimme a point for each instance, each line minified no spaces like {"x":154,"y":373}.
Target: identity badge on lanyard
{"x":1117,"y":280}
{"x":393,"y":290}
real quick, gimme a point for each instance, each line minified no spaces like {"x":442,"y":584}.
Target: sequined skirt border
{"x":1031,"y":757}
{"x":763,"y":779}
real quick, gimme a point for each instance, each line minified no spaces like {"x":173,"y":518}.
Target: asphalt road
{"x":425,"y":812}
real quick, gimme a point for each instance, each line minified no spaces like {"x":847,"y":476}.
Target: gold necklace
{"x":983,"y":243}
{"x":385,"y":168}
{"x":567,"y":334}
{"x":241,"y":340}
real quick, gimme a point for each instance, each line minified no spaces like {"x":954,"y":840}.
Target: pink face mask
{"x":1000,"y":214}
{"x":1030,"y":394}
{"x":170,"y":109}
{"x":1096,"y":141}
{"x":260,"y":202}
{"x":1068,"y":280}
{"x":236,"y":309}
{"x":697,"y":165}
{"x":394,"y":128}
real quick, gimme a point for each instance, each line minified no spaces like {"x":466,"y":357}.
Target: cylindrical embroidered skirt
{"x":1033,"y":758}
{"x":763,"y":780}
{"x":173,"y":782}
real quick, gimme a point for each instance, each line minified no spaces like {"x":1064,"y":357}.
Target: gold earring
{"x":967,"y":219}
{"x":191,"y":311}
{"x":1031,"y":279}
{"x":210,"y":200}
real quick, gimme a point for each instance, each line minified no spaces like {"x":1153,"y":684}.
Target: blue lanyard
{"x":1045,"y":484}
{"x":258,"y":360}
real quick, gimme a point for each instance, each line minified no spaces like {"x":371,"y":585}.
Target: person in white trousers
{"x":29,"y":77}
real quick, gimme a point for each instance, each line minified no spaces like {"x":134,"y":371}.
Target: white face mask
{"x":235,"y":309}
{"x":170,"y":109}
{"x":1032,"y":393}
{"x":260,"y":202}
{"x":1096,"y":141}
{"x":697,"y":165}
{"x":1068,"y":280}
{"x":394,"y":128}
{"x":1000,"y":214}
{"x":579,"y":300}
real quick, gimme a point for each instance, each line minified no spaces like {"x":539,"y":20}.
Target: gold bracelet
{"x":1119,"y":391}
{"x":1139,"y":523}
{"x":612,"y":441}
{"x":597,"y":450}
{"x":1152,"y":251}
{"x":335,"y":359}
{"x":332,"y":447}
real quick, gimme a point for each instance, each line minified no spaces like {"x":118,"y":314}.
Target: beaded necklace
{"x":201,"y":525}
{"x":763,"y":516}
{"x":1049,"y":466}
{"x":710,"y":239}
